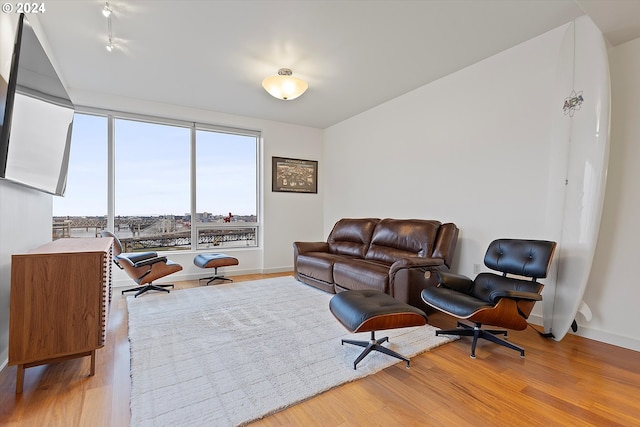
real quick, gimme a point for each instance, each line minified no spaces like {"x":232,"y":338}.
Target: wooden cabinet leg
{"x":19,"y":379}
{"x":93,"y":363}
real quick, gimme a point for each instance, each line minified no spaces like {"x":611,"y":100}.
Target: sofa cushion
{"x":359,"y":274}
{"x":351,"y":236}
{"x":318,"y":265}
{"x":402,"y":238}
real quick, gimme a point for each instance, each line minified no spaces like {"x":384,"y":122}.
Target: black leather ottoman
{"x":370,"y":311}
{"x":211,"y":260}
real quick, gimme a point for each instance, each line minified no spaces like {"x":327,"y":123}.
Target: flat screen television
{"x":37,"y":118}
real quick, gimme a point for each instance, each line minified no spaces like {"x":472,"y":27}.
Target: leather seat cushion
{"x":453,"y":302}
{"x":214,"y":260}
{"x":158,"y":271}
{"x":368,"y":310}
{"x":358,"y":274}
{"x":318,"y":265}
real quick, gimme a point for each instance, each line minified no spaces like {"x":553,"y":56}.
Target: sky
{"x":152,"y":170}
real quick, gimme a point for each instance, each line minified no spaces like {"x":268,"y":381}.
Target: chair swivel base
{"x":148,"y":287}
{"x":370,"y":310}
{"x":215,"y":277}
{"x":476,"y":332}
{"x":374,"y":345}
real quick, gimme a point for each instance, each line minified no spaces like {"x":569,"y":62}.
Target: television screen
{"x":38,"y":118}
{"x":4,"y":130}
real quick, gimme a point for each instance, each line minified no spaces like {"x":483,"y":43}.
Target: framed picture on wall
{"x":294,"y":175}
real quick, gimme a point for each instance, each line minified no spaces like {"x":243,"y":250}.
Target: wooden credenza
{"x":59,"y":302}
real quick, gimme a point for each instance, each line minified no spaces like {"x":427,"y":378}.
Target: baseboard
{"x":600,"y":335}
{"x":278,"y":270}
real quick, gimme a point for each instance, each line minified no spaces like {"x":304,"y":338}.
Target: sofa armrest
{"x":302,"y":247}
{"x":145,"y":262}
{"x":409,"y":276}
{"x":150,"y":261}
{"x":415,"y":262}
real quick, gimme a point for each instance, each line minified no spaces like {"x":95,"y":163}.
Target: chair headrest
{"x":529,"y":258}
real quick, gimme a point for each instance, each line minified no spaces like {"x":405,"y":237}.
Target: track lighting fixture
{"x":106,"y":12}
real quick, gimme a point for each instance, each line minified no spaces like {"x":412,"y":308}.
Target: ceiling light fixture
{"x":284,"y":85}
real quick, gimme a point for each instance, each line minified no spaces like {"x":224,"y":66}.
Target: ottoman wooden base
{"x":214,"y":261}
{"x":370,"y":311}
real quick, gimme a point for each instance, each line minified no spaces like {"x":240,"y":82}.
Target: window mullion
{"x":111,"y":176}
{"x":194,"y":231}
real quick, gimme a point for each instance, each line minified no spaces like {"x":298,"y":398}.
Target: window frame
{"x":193,"y":127}
{"x":196,"y":226}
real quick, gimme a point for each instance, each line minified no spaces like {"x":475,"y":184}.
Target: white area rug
{"x":224,"y":355}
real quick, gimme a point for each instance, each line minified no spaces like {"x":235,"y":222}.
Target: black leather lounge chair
{"x":491,"y":298}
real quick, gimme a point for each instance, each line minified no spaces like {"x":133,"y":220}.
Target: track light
{"x":106,"y":10}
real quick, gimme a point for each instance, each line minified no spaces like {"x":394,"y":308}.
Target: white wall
{"x":25,"y":222}
{"x":25,"y":214}
{"x":473,"y":148}
{"x":470,"y":148}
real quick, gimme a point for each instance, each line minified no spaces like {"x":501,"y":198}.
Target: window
{"x":152,"y":186}
{"x":83,"y":210}
{"x":226,"y":190}
{"x":162,"y":199}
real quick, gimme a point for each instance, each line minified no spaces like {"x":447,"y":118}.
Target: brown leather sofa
{"x":395,"y":256}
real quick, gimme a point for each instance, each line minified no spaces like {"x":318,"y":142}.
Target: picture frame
{"x":294,"y":175}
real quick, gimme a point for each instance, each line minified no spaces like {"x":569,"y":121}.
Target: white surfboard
{"x":578,"y":171}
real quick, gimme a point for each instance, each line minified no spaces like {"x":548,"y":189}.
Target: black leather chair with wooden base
{"x":142,"y":267}
{"x":491,"y":298}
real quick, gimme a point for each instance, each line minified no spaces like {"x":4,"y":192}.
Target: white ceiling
{"x":355,"y":54}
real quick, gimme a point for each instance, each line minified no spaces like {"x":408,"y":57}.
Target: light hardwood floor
{"x":576,"y":382}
